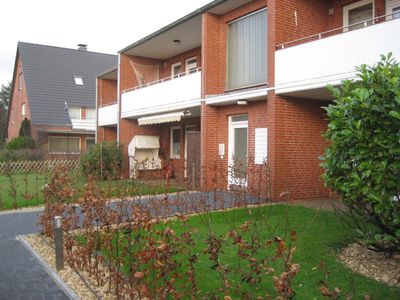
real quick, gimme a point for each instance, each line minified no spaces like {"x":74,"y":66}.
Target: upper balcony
{"x":169,"y":94}
{"x":84,"y":124}
{"x":303,"y":68}
{"x":108,"y":115}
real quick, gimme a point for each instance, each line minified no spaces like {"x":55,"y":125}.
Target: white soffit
{"x":161,"y":118}
{"x":163,"y":47}
{"x":229,"y":98}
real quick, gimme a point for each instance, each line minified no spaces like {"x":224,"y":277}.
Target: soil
{"x":372,"y":264}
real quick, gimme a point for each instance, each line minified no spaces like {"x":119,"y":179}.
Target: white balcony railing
{"x":162,"y":96}
{"x":108,"y":115}
{"x":79,"y":124}
{"x":330,"y":60}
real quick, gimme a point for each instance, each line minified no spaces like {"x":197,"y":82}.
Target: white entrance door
{"x":188,"y":128}
{"x":237,"y":162}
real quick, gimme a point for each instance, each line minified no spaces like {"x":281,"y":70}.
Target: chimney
{"x":82,"y":47}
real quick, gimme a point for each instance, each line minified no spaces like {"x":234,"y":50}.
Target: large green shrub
{"x":103,"y":160}
{"x":21,"y":142}
{"x":362,"y":162}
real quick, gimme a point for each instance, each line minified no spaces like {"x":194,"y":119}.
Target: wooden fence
{"x":40,"y":166}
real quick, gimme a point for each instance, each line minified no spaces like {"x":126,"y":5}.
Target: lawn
{"x":320,"y":235}
{"x":29,"y":188}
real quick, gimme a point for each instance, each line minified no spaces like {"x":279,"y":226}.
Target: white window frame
{"x":172,"y":155}
{"x":23,"y":109}
{"x":390,"y":4}
{"x":231,"y":146}
{"x":64,"y":137}
{"x":348,"y":8}
{"x":187,"y":68}
{"x":172,"y":69}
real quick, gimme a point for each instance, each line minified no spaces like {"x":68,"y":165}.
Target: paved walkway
{"x":21,"y":276}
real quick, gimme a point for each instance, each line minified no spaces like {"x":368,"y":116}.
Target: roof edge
{"x":189,"y":16}
{"x":110,"y":70}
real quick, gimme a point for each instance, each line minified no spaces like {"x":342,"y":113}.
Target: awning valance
{"x":143,"y":142}
{"x":161,"y":118}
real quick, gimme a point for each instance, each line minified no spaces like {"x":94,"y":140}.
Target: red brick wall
{"x":294,"y":125}
{"x":18,"y":98}
{"x":336,"y":20}
{"x":214,"y":46}
{"x":106,"y":134}
{"x":128,"y":76}
{"x":165,"y":70}
{"x":215,"y":127}
{"x":312,"y":18}
{"x":107,"y":92}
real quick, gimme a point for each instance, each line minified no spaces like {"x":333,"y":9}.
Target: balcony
{"x":169,"y":94}
{"x":82,"y":124}
{"x":304,"y":70}
{"x":108,"y":115}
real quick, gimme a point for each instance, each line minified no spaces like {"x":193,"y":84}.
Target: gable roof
{"x":49,"y":78}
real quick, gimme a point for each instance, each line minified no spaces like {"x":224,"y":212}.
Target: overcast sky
{"x":105,"y":26}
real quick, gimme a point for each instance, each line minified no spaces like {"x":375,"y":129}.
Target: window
{"x":392,"y":9}
{"x":74,"y":113}
{"x":191,"y":65}
{"x":90,"y":114}
{"x":89,"y":143}
{"x":23,"y":109}
{"x":20,"y":82}
{"x":247,"y":51}
{"x":175,"y":142}
{"x":64,"y":145}
{"x":175,"y":69}
{"x":78,"y":80}
{"x":359,"y":14}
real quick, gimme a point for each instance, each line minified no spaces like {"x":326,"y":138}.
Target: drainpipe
{"x":97,"y":111}
{"x":118,"y":96}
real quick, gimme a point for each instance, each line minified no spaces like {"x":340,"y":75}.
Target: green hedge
{"x":103,"y":160}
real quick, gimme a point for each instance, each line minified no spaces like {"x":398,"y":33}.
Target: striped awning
{"x":162,"y":118}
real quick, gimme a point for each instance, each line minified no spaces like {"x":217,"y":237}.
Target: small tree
{"x":103,"y":160}
{"x":362,"y":162}
{"x":25,"y":129}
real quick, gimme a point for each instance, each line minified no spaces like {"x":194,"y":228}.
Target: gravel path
{"x":21,"y":276}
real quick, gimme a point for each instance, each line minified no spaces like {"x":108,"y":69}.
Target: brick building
{"x":241,"y":80}
{"x":55,"y":88}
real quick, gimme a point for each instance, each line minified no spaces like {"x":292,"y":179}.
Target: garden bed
{"x":320,"y":236}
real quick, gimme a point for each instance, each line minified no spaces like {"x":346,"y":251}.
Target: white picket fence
{"x":40,"y":166}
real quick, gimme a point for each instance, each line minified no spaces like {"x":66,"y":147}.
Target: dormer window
{"x":78,"y":80}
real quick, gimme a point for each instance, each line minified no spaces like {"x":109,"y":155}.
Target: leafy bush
{"x":25,"y":129}
{"x":21,"y":142}
{"x":103,"y":160}
{"x":21,"y":154}
{"x":362,"y":162}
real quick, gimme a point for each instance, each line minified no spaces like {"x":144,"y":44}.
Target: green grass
{"x":29,"y":188}
{"x":29,"y":184}
{"x":320,"y":236}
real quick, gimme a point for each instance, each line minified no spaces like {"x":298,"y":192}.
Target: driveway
{"x":21,"y":276}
